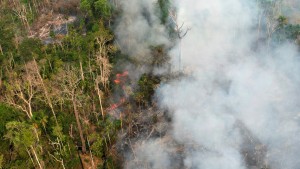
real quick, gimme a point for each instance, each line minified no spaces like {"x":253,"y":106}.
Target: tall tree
{"x":22,"y":136}
{"x":69,"y":80}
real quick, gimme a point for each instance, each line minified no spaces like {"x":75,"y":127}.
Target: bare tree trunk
{"x":1,"y":51}
{"x":36,"y":157}
{"x":30,"y":109}
{"x":28,"y":152}
{"x":36,"y":133}
{"x":1,"y":75}
{"x":91,"y":155}
{"x":81,"y":71}
{"x":61,"y":161}
{"x":45,"y":91}
{"x":94,"y":108}
{"x":78,"y":123}
{"x":99,"y":96}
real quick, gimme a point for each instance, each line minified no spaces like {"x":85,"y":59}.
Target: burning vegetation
{"x":149,"y":84}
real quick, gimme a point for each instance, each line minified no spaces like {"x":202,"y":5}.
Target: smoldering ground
{"x":238,"y":107}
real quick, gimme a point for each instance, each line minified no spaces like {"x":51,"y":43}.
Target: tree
{"x":270,"y":10}
{"x":102,"y":38}
{"x":44,"y":88}
{"x":69,"y":80}
{"x":22,"y":87}
{"x":96,"y":8}
{"x":1,"y":160}
{"x":22,"y":135}
{"x":164,"y":7}
{"x":102,"y":8}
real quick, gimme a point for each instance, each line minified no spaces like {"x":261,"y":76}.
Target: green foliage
{"x":1,"y":160}
{"x":20,"y":134}
{"x":81,"y":44}
{"x":65,"y":120}
{"x":98,"y":145}
{"x":147,"y":85}
{"x":11,"y":21}
{"x":7,"y":114}
{"x":52,"y":34}
{"x":287,"y":32}
{"x":112,"y":163}
{"x":96,"y":8}
{"x":85,"y":5}
{"x":20,"y":163}
{"x":28,"y":49}
{"x":102,"y":8}
{"x":282,"y":20}
{"x":57,"y":132}
{"x":292,"y":31}
{"x":164,"y":6}
{"x":109,"y":126}
{"x":7,"y":35}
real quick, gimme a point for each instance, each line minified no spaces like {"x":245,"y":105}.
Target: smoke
{"x":238,"y":107}
{"x":138,"y":30}
{"x":152,"y":154}
{"x":291,"y":10}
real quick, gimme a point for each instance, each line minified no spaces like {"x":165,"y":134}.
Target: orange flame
{"x":120,"y":77}
{"x":117,"y":105}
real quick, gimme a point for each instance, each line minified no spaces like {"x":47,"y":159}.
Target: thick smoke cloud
{"x":232,"y":83}
{"x":291,"y":10}
{"x":238,"y":107}
{"x":150,"y":154}
{"x":139,"y":29}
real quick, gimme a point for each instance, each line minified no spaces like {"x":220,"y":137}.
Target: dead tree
{"x":69,"y":80}
{"x":44,"y":88}
{"x":22,"y":88}
{"x":103,"y":62}
{"x":100,"y":94}
{"x":101,"y":79}
{"x":21,"y":12}
{"x":181,"y":33}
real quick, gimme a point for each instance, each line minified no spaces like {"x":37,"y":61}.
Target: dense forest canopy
{"x":79,"y":78}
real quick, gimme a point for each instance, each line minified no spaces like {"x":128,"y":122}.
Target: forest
{"x":99,"y":84}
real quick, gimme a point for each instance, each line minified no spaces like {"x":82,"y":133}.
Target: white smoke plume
{"x":151,"y":154}
{"x":239,"y":106}
{"x":139,"y":28}
{"x":291,"y":10}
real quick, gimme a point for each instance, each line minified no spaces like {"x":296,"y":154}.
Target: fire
{"x":113,"y":107}
{"x":125,"y":73}
{"x":117,"y":81}
{"x":117,"y":105}
{"x":121,"y":77}
{"x":120,"y":80}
